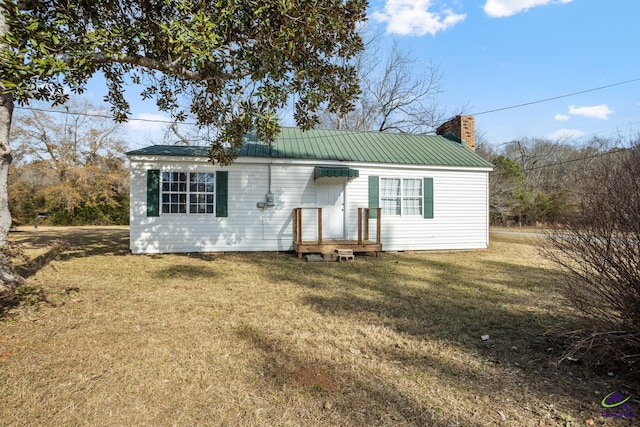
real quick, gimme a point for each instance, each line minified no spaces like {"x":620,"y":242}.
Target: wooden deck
{"x":306,"y":247}
{"x":362,"y":244}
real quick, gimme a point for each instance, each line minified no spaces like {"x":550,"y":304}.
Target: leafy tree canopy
{"x":230,"y":63}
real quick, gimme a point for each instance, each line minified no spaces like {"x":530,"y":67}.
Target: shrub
{"x":599,"y":251}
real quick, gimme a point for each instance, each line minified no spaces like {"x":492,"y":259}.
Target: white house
{"x":422,"y":192}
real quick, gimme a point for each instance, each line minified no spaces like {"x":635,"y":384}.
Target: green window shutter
{"x":222,"y":193}
{"x":153,"y":192}
{"x":428,"y":197}
{"x":374,"y":195}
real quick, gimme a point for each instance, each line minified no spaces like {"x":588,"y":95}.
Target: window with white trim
{"x":188,"y":192}
{"x":401,"y":196}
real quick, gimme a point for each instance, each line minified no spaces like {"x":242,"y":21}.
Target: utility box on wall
{"x":271,"y":201}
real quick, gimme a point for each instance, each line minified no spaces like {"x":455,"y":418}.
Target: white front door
{"x":330,"y":197}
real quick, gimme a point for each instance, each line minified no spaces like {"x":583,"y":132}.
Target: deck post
{"x":295,"y":225}
{"x":364,"y":243}
{"x":360,"y":225}
{"x":366,"y":224}
{"x":319,"y":226}
{"x":300,"y":225}
{"x":378,"y":215}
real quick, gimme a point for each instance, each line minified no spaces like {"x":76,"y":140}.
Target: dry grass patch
{"x":267,"y":339}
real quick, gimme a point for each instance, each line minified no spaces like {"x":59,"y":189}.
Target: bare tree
{"x":68,"y":163}
{"x":505,"y":181}
{"x":394,"y":97}
{"x":74,"y":135}
{"x":599,"y":252}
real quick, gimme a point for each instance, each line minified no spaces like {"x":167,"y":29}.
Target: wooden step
{"x":344,"y":251}
{"x":345,"y":255}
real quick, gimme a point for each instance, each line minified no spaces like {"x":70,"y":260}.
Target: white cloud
{"x":566,"y":134}
{"x":562,"y":117}
{"x":504,"y":8}
{"x":413,"y":18}
{"x":601,"y":111}
{"x":148,"y":122}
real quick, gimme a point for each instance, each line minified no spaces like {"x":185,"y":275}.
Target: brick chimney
{"x":463,"y":127}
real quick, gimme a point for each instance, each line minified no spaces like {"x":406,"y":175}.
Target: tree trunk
{"x":6,"y":110}
{"x":9,"y":279}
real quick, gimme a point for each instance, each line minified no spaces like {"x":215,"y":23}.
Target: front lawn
{"x":103,"y":337}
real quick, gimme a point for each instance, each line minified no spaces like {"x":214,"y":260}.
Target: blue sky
{"x":500,"y":53}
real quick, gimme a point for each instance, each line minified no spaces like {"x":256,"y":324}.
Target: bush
{"x":599,"y":251}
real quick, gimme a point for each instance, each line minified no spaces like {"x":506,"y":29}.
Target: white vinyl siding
{"x":460,"y":205}
{"x":460,"y":219}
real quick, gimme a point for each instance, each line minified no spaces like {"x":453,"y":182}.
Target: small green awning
{"x":335,"y":171}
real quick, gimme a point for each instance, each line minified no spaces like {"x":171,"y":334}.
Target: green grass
{"x":109,"y":338}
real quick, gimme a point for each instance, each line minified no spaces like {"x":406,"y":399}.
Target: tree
{"x":230,"y":64}
{"x":9,"y":279}
{"x":548,"y":174}
{"x":393,"y":98}
{"x":69,"y":164}
{"x":598,"y":250}
{"x":505,"y":182}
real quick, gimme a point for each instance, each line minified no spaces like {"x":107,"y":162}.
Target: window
{"x":412,"y":197}
{"x":401,"y":196}
{"x":193,"y":191}
{"x":201,"y":193}
{"x":390,"y":196}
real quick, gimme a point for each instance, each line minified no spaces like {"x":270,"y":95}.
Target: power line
{"x":539,"y":101}
{"x":579,"y":159}
{"x":555,"y":97}
{"x":101,"y":116}
{"x":602,"y":133}
{"x":593,"y":156}
{"x":106,"y":116}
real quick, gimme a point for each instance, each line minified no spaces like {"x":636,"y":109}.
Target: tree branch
{"x":172,"y":68}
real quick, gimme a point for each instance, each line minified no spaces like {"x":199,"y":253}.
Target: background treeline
{"x":73,"y":167}
{"x":537,"y":181}
{"x":70,"y":166}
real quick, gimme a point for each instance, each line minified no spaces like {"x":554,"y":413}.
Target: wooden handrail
{"x":363,"y":225}
{"x":297,"y":225}
{"x":363,"y":229}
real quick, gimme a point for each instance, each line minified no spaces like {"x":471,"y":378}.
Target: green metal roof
{"x":341,"y":145}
